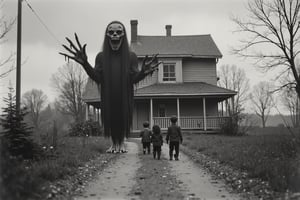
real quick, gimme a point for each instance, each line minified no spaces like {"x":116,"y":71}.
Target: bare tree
{"x":262,"y":100}
{"x":272,"y":39}
{"x":5,"y":26}
{"x":35,"y":100}
{"x":235,"y":79}
{"x":291,"y":102}
{"x":69,"y":82}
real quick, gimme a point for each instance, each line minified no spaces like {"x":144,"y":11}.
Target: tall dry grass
{"x":271,"y":157}
{"x":24,"y":179}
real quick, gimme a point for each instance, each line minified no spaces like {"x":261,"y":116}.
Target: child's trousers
{"x":172,"y":146}
{"x":156,"y":151}
{"x":146,"y":147}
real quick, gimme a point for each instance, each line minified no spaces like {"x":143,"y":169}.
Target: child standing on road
{"x":157,"y":141}
{"x":146,"y":137}
{"x":174,"y":136}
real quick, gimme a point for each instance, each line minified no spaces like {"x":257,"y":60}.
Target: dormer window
{"x":169,"y":72}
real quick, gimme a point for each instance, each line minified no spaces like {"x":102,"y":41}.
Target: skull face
{"x":115,"y":32}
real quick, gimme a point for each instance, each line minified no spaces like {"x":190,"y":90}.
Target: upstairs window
{"x":169,"y":72}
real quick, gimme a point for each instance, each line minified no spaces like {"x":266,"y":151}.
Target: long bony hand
{"x":78,"y":53}
{"x":149,"y":66}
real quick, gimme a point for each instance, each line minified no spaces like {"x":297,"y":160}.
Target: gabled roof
{"x":187,"y":89}
{"x":182,"y":46}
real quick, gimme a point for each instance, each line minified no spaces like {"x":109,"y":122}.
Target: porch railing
{"x":193,"y":122}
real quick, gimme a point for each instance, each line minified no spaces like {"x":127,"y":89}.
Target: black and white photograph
{"x":149,"y":100}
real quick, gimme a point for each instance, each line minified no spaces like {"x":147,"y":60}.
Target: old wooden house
{"x":184,"y":85}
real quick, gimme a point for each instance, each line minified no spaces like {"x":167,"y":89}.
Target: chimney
{"x":168,"y":30}
{"x":133,"y":24}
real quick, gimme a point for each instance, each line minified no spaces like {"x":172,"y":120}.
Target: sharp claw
{"x":77,"y":40}
{"x":71,"y":44}
{"x":68,"y":49}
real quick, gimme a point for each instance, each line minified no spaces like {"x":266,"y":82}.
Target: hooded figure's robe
{"x":118,"y":76}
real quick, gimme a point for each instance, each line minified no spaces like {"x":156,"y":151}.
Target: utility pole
{"x":19,"y":37}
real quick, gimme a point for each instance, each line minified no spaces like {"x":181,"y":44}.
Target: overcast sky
{"x":89,"y":19}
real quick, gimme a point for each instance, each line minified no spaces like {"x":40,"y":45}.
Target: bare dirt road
{"x":137,"y":176}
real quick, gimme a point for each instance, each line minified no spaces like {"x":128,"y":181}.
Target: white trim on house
{"x":182,"y":56}
{"x":151,"y":112}
{"x":172,"y":94}
{"x":178,"y":111}
{"x":87,"y":111}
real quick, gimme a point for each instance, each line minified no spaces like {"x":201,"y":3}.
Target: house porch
{"x":201,"y":114}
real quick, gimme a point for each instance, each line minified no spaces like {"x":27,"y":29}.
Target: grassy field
{"x":271,"y":157}
{"x":25,"y":179}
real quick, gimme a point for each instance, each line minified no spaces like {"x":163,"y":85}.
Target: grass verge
{"x":272,"y":158}
{"x":24,"y":180}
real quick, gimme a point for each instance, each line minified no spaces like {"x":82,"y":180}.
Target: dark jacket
{"x":157,"y":139}
{"x":174,"y":133}
{"x":146,"y":135}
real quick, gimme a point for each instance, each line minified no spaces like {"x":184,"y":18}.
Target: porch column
{"x":151,"y":113}
{"x":178,"y":112}
{"x":94,"y":113}
{"x":87,"y":110}
{"x":204,"y":113}
{"x":97,"y":112}
{"x":222,"y":108}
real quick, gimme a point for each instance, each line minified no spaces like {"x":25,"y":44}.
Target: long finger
{"x":153,"y":58}
{"x":84,"y":47}
{"x":68,"y":49}
{"x":66,"y":55}
{"x":145,"y":59}
{"x":156,"y":65}
{"x":77,"y":40}
{"x":72,"y":45}
{"x":150,"y":71}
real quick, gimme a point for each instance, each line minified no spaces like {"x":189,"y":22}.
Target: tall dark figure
{"x":116,"y":71}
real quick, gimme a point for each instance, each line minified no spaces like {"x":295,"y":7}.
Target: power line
{"x":44,"y":24}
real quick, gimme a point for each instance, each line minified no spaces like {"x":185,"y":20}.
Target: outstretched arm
{"x":78,"y":54}
{"x":148,"y":67}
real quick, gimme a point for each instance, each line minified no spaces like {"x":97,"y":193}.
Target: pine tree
{"x":15,"y":137}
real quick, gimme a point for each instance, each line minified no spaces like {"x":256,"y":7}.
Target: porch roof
{"x":186,"y":89}
{"x":165,"y":90}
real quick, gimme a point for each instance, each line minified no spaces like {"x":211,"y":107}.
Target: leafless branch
{"x":276,"y":24}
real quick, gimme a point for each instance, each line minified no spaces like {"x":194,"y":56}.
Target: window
{"x":169,"y":72}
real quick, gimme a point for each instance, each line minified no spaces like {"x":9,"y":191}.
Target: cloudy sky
{"x":89,"y":19}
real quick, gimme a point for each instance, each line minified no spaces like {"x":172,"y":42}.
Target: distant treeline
{"x":273,"y":120}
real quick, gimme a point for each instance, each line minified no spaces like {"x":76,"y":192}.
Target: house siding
{"x":191,"y":107}
{"x":211,"y":107}
{"x":199,"y":70}
{"x":194,"y":107}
